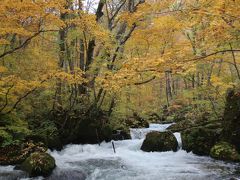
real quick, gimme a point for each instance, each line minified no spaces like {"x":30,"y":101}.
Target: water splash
{"x":179,"y":139}
{"x":140,"y":133}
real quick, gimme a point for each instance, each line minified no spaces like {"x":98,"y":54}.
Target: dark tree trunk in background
{"x":193,"y":81}
{"x":168,"y":87}
{"x":62,"y":55}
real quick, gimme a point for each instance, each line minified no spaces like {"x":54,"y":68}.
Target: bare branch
{"x":26,"y":42}
{"x":22,"y":97}
{"x":144,"y":82}
{"x":6,"y":98}
{"x":212,"y":54}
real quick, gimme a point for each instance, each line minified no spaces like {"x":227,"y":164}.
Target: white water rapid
{"x":94,"y":162}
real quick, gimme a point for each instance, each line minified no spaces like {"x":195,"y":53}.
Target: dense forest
{"x":84,"y":72}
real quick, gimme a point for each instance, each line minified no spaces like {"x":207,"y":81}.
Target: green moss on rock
{"x":231,"y":118}
{"x":200,"y":140}
{"x":39,"y":164}
{"x":225,"y":151}
{"x":160,"y":142}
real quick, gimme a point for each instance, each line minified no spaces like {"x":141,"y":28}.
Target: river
{"x":94,"y":162}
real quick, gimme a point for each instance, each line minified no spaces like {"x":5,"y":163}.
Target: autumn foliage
{"x":62,"y":58}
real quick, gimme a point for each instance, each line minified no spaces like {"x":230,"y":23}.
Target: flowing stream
{"x":94,"y":162}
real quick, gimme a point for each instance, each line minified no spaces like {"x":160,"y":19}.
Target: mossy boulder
{"x":225,"y":151}
{"x":200,"y":140}
{"x":39,"y":164}
{"x":16,"y":154}
{"x":90,"y":128}
{"x":231,"y":118}
{"x":160,"y":142}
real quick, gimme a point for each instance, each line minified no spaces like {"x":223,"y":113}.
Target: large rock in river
{"x":160,"y":142}
{"x":231,"y":119}
{"x":39,"y":164}
{"x":200,"y":140}
{"x":225,"y":151}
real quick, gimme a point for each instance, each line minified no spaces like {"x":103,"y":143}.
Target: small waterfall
{"x":140,"y":133}
{"x":179,"y":139}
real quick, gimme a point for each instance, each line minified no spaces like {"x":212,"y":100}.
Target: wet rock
{"x":160,"y":142}
{"x":120,"y":135}
{"x":39,"y":164}
{"x":108,"y":133}
{"x":200,"y":140}
{"x":225,"y":151}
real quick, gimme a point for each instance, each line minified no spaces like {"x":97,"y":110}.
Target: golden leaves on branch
{"x":131,"y":72}
{"x":24,"y":18}
{"x":75,"y":77}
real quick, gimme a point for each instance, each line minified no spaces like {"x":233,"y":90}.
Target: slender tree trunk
{"x":193,"y":81}
{"x":234,"y":62}
{"x":185,"y":84}
{"x":62,"y":47}
{"x":168,"y":88}
{"x":209,"y":76}
{"x":220,"y":67}
{"x":202,"y":79}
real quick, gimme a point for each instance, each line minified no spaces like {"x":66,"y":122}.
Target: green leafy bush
{"x":13,"y":130}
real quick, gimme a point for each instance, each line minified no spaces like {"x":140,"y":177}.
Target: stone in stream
{"x":200,"y":140}
{"x":160,"y":142}
{"x":120,"y":135}
{"x":225,"y":151}
{"x":38,"y":164}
